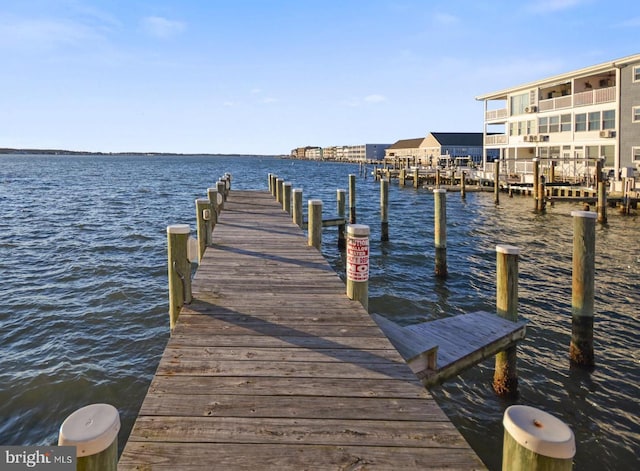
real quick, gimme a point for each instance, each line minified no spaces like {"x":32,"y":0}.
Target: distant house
{"x":435,"y":148}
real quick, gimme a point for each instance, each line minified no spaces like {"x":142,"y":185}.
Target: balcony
{"x":492,"y":115}
{"x":494,"y":139}
{"x":589,"y":97}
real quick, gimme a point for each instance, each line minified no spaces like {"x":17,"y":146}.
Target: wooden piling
{"x":496,"y":181}
{"x":384,"y":210}
{"x":315,"y":223}
{"x":202,"y":228}
{"x":273,"y":184}
{"x":179,"y":270}
{"x":535,"y":440}
{"x":221,"y":187}
{"x":286,"y":197}
{"x":93,"y":430}
{"x":541,"y":195}
{"x":602,"y":203}
{"x":402,"y":177}
{"x":358,"y":263}
{"x":440,"y":231}
{"x":212,"y":194}
{"x":279,"y":190}
{"x":505,"y":378}
{"x":270,"y":182}
{"x":437,"y":178}
{"x":582,"y":293}
{"x":341,"y":202}
{"x":352,"y":199}
{"x":536,"y":179}
{"x":297,"y":207}
{"x":416,"y":177}
{"x":463,"y":185}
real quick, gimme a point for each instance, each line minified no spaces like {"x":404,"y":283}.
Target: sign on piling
{"x":358,"y":263}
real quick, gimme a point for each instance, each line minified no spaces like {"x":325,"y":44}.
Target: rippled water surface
{"x":83,"y":282}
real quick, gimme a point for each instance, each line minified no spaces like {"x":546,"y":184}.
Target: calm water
{"x":83,"y":283}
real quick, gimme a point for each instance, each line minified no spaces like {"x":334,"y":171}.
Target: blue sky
{"x":263,"y":77}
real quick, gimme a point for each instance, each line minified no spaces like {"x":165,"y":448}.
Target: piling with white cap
{"x":296,"y":201}
{"x":93,"y":430}
{"x":582,"y":288}
{"x":535,"y":440}
{"x":440,"y":231}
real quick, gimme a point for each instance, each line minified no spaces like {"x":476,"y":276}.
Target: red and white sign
{"x":357,"y":259}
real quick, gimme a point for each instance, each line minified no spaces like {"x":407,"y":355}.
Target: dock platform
{"x":273,"y":367}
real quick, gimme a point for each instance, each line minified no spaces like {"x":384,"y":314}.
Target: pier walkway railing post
{"x":221,"y":187}
{"x":582,"y":292}
{"x":341,"y":202}
{"x":536,"y":180}
{"x":440,"y":231}
{"x":535,"y":440}
{"x":212,"y":194}
{"x":358,"y":263}
{"x":384,"y":209}
{"x":279,"y":190}
{"x":315,"y":223}
{"x":505,"y":378}
{"x":297,"y":207}
{"x":203,"y":228}
{"x":463,"y":185}
{"x":602,"y":203}
{"x":286,"y":198}
{"x":93,"y":430}
{"x":179,"y":270}
{"x":352,"y":199}
{"x":496,"y":181}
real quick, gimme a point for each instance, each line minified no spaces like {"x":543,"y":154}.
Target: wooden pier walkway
{"x":273,"y":367}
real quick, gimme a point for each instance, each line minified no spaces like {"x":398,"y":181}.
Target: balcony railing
{"x":496,"y":114}
{"x":590,"y":97}
{"x":495,"y":139}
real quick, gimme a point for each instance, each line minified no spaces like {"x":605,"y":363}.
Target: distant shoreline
{"x":148,"y":154}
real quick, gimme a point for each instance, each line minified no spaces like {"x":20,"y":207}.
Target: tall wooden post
{"x":270,"y":182}
{"x":440,"y":231}
{"x":535,"y":440}
{"x":274,"y":179}
{"x":220,"y":186}
{"x":202,"y":208}
{"x":536,"y":180}
{"x":541,"y":192}
{"x":352,"y":199}
{"x":93,"y":430}
{"x":384,"y":210}
{"x":463,"y":185}
{"x":416,"y":177}
{"x":341,"y":202}
{"x":279,"y":190}
{"x":179,"y":270}
{"x":437,"y":183}
{"x":212,"y":194}
{"x":496,"y":181}
{"x":358,"y":263}
{"x":505,"y":378}
{"x":582,"y":293}
{"x":286,"y":197}
{"x":297,"y":207}
{"x":402,"y":177}
{"x":315,"y":223}
{"x":602,"y":203}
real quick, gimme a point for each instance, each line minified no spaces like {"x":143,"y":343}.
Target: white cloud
{"x":162,"y":28}
{"x":375,"y":98}
{"x":445,"y":19}
{"x":548,"y":6}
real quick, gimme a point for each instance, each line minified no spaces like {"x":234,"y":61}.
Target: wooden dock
{"x":273,"y":367}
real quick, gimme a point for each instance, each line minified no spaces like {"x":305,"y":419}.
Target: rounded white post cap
{"x":584,"y":214}
{"x":178,"y":229}
{"x":358,"y":230}
{"x":315,"y":202}
{"x":507,"y":249}
{"x":91,"y":429}
{"x":439,"y":190}
{"x":539,"y":432}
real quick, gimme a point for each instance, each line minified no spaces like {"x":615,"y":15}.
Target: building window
{"x":594,"y":121}
{"x":636,"y":154}
{"x":519,"y":103}
{"x":543,"y":125}
{"x":608,"y":119}
{"x":635,"y":114}
{"x":554,"y":123}
{"x":530,"y":127}
{"x":565,"y":122}
{"x":581,"y":122}
{"x":636,"y":73}
{"x":512,"y":129}
{"x":520,"y":127}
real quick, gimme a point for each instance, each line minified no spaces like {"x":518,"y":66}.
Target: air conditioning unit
{"x":607,"y":133}
{"x":525,"y":138}
{"x":530,"y":109}
{"x":543,"y":137}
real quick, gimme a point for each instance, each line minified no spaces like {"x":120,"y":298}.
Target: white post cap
{"x":358,"y":230}
{"x":539,"y":432}
{"x":507,"y":249}
{"x":584,"y":214}
{"x":178,"y":229}
{"x":91,"y":429}
{"x":440,"y":190}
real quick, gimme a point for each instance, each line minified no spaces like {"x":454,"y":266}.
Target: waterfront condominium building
{"x":568,"y":121}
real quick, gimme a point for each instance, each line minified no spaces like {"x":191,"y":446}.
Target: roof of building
{"x":407,"y":143}
{"x":466,"y":139}
{"x":622,"y":62}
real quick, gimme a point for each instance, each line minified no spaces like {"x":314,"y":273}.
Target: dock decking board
{"x":273,"y":367}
